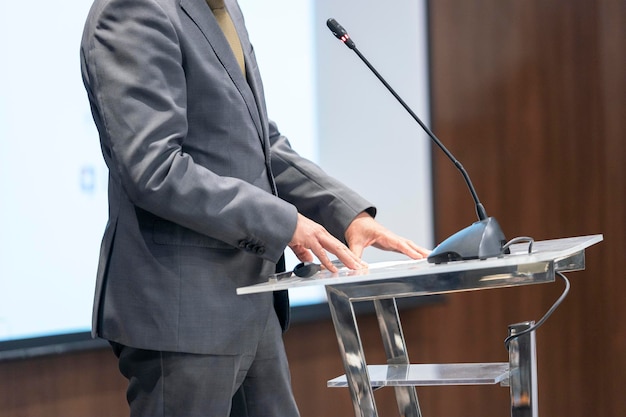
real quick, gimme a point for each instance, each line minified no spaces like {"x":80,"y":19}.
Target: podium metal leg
{"x":352,"y":354}
{"x":522,"y":359}
{"x":395,"y":347}
{"x":523,"y":372}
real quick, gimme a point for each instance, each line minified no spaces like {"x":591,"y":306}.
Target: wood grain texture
{"x":531,"y":97}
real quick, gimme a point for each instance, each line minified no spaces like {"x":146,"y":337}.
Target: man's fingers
{"x":347,"y":257}
{"x":302,"y":253}
{"x":357,"y":249}
{"x":310,"y":237}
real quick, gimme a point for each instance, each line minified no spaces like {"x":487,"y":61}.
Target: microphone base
{"x":481,"y":240}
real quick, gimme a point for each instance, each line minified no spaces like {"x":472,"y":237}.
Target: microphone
{"x":482,"y":239}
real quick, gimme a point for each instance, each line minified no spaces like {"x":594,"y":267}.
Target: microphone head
{"x":340,"y":33}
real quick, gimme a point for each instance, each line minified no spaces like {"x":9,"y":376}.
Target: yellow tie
{"x":227,"y":26}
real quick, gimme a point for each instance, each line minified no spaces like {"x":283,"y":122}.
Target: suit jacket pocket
{"x":168,"y":233}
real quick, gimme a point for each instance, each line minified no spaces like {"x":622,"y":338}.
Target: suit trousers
{"x":175,"y":384}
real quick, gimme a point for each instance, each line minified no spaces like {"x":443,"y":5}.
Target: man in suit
{"x":204,"y":196}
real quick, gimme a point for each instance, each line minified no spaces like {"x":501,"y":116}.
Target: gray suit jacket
{"x":203,"y":190}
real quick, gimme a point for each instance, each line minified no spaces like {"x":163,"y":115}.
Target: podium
{"x":385,"y":282}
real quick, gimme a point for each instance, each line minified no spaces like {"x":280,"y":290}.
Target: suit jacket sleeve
{"x":317,"y":196}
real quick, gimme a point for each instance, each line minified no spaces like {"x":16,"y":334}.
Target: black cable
{"x":556,"y":304}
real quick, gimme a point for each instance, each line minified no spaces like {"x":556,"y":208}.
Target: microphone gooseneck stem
{"x":480,"y":209}
{"x":482,"y":239}
{"x":343,"y":36}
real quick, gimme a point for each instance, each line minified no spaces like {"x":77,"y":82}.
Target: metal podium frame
{"x":384,"y":282}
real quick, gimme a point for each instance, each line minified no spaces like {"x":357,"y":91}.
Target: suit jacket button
{"x":243,"y":244}
{"x":260,"y":250}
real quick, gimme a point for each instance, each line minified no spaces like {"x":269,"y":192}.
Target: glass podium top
{"x":418,"y":277}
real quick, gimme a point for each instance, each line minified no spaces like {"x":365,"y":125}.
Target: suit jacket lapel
{"x":199,"y":12}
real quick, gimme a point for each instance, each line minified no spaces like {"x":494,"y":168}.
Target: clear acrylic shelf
{"x":432,"y":374}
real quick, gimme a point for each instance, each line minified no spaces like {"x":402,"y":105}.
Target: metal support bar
{"x":523,"y":371}
{"x":351,"y":349}
{"x":395,"y":348}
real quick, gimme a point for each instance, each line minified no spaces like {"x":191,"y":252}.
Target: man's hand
{"x":312,"y":237}
{"x":364,"y":231}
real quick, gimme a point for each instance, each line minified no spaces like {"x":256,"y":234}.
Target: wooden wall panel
{"x":85,"y":384}
{"x":531,"y":97}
